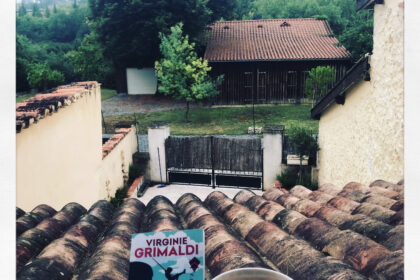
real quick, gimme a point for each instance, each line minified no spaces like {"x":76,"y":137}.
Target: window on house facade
{"x":292,"y":84}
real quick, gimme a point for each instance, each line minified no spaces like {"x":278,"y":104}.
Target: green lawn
{"x":105,"y":94}
{"x":222,"y":121}
{"x":20,"y":98}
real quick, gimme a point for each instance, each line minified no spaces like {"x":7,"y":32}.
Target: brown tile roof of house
{"x":41,"y":105}
{"x":273,"y":40}
{"x":295,"y":233}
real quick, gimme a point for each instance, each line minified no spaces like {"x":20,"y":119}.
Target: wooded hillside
{"x":60,"y":41}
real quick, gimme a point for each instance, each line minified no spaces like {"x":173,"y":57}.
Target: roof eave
{"x":367,"y":4}
{"x":281,"y":60}
{"x":360,"y":71}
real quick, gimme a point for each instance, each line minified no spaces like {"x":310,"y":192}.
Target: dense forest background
{"x":61,"y":41}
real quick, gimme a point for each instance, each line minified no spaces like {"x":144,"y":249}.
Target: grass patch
{"x":221,"y":121}
{"x":21,"y":97}
{"x":107,"y":93}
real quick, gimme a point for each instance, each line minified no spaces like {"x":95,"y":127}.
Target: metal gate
{"x":215,"y":161}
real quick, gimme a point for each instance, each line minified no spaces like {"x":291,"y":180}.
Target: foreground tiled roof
{"x":44,"y":104}
{"x":272,"y":39}
{"x":350,"y":233}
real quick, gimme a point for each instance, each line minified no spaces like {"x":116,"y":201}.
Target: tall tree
{"x":128,"y":30}
{"x":36,"y":12}
{"x":55,"y":9}
{"x":181,"y":73}
{"x":47,"y":12}
{"x":22,"y":10}
{"x":357,"y":37}
{"x":75,"y":4}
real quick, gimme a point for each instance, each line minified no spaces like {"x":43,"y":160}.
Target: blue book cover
{"x":169,"y":255}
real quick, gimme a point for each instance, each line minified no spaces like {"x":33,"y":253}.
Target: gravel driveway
{"x":129,"y":104}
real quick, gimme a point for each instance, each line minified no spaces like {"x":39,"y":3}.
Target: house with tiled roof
{"x":266,"y":61}
{"x":361,"y":127}
{"x":350,"y":233}
{"x":60,"y":156}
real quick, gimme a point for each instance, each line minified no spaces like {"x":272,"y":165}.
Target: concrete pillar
{"x":157,"y":134}
{"x":273,"y":146}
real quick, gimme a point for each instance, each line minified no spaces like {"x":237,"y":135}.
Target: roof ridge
{"x":268,"y":19}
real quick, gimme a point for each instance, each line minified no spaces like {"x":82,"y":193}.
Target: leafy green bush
{"x":287,"y":178}
{"x":134,"y":171}
{"x":120,"y":194}
{"x":290,"y":178}
{"x":304,"y":142}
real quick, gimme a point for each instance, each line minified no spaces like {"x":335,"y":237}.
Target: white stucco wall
{"x":58,"y":158}
{"x":116,"y":164}
{"x":141,"y":81}
{"x":363,"y":140}
{"x":272,"y":145}
{"x":156,"y":138}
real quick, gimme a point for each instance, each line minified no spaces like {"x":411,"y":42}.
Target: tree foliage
{"x":48,"y":40}
{"x":181,"y":73}
{"x":222,"y":9}
{"x":36,"y":11}
{"x":22,"y":10}
{"x":42,"y":77}
{"x":128,"y":30}
{"x":305,"y":145}
{"x":357,"y":36}
{"x":88,"y":60}
{"x":318,"y":81}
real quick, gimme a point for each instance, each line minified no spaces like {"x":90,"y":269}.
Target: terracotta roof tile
{"x":19,"y":213}
{"x":270,"y":39}
{"x":294,"y":233}
{"x":32,"y":241}
{"x":31,"y":219}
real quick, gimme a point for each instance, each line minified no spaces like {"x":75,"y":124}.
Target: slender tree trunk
{"x":120,"y":79}
{"x":188,"y":109}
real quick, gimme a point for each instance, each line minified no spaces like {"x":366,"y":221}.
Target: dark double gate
{"x":215,"y":161}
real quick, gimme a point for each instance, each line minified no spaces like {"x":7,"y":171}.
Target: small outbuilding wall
{"x":59,"y":151}
{"x":117,"y":157}
{"x":141,"y":81}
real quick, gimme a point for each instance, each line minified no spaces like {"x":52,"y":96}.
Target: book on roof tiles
{"x":167,"y":255}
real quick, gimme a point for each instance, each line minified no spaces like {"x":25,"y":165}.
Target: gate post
{"x":272,"y":153}
{"x":157,"y":133}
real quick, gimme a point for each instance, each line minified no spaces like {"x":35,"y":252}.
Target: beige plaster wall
{"x":364,"y":139}
{"x":115,"y":165}
{"x":58,"y":158}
